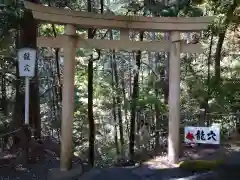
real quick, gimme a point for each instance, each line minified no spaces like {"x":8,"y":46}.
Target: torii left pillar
{"x":68,"y":98}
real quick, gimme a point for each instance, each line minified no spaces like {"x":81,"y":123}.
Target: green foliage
{"x":193,"y":11}
{"x":182,"y":7}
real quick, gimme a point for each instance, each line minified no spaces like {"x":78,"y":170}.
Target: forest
{"x":118,"y":91}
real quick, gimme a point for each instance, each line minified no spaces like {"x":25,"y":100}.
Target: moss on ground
{"x":201,"y":165}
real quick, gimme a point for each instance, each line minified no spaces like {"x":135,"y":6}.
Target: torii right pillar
{"x":174,"y":83}
{"x":174,"y":98}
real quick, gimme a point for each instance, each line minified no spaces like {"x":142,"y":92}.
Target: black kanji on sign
{"x":26,"y":68}
{"x":200,"y":135}
{"x":211,"y":135}
{"x":26,"y":56}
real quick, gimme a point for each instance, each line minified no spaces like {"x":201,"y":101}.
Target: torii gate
{"x":70,"y":41}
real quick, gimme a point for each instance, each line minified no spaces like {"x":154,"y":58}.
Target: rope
{"x":9,"y":133}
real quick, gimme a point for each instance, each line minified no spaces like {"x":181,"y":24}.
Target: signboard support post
{"x":26,"y":100}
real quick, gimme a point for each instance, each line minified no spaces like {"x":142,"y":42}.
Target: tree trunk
{"x":18,"y":111}
{"x":57,"y":66}
{"x":4,"y":103}
{"x":158,"y":121}
{"x":165,"y":90}
{"x":166,"y":72}
{"x":28,"y":38}
{"x":54,"y":94}
{"x":124,"y":102}
{"x":91,"y":155}
{"x":90,"y":113}
{"x":221,"y":38}
{"x":208,"y":80}
{"x":28,"y":34}
{"x":114,"y":112}
{"x":91,"y":33}
{"x":134,"y":101}
{"x":118,"y":102}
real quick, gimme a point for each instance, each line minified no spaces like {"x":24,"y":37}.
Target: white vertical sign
{"x":27,"y":61}
{"x":203,"y":135}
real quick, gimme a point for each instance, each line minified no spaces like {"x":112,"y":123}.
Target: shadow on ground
{"x":40,"y":172}
{"x":147,"y":173}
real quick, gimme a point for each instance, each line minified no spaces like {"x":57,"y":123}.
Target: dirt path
{"x":154,"y":169}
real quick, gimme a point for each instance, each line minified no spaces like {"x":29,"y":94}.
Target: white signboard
{"x":204,"y":135}
{"x":27,"y":60}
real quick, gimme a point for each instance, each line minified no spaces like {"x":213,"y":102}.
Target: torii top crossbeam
{"x":91,"y":20}
{"x":124,"y":23}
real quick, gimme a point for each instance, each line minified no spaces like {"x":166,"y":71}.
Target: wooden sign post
{"x":70,"y":42}
{"x":27,"y":60}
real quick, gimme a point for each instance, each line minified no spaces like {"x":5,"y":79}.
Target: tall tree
{"x":91,"y":34}
{"x":135,"y":94}
{"x":28,"y":38}
{"x":90,"y":99}
{"x":118,"y":102}
{"x":221,"y":36}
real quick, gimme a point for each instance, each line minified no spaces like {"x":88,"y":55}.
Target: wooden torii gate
{"x":70,"y":41}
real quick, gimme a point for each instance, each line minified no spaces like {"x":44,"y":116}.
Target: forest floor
{"x":156,"y":168}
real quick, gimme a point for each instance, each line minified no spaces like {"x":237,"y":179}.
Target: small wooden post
{"x":174,"y":98}
{"x":68,"y":98}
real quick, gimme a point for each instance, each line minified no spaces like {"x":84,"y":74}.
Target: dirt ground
{"x":155,"y":165}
